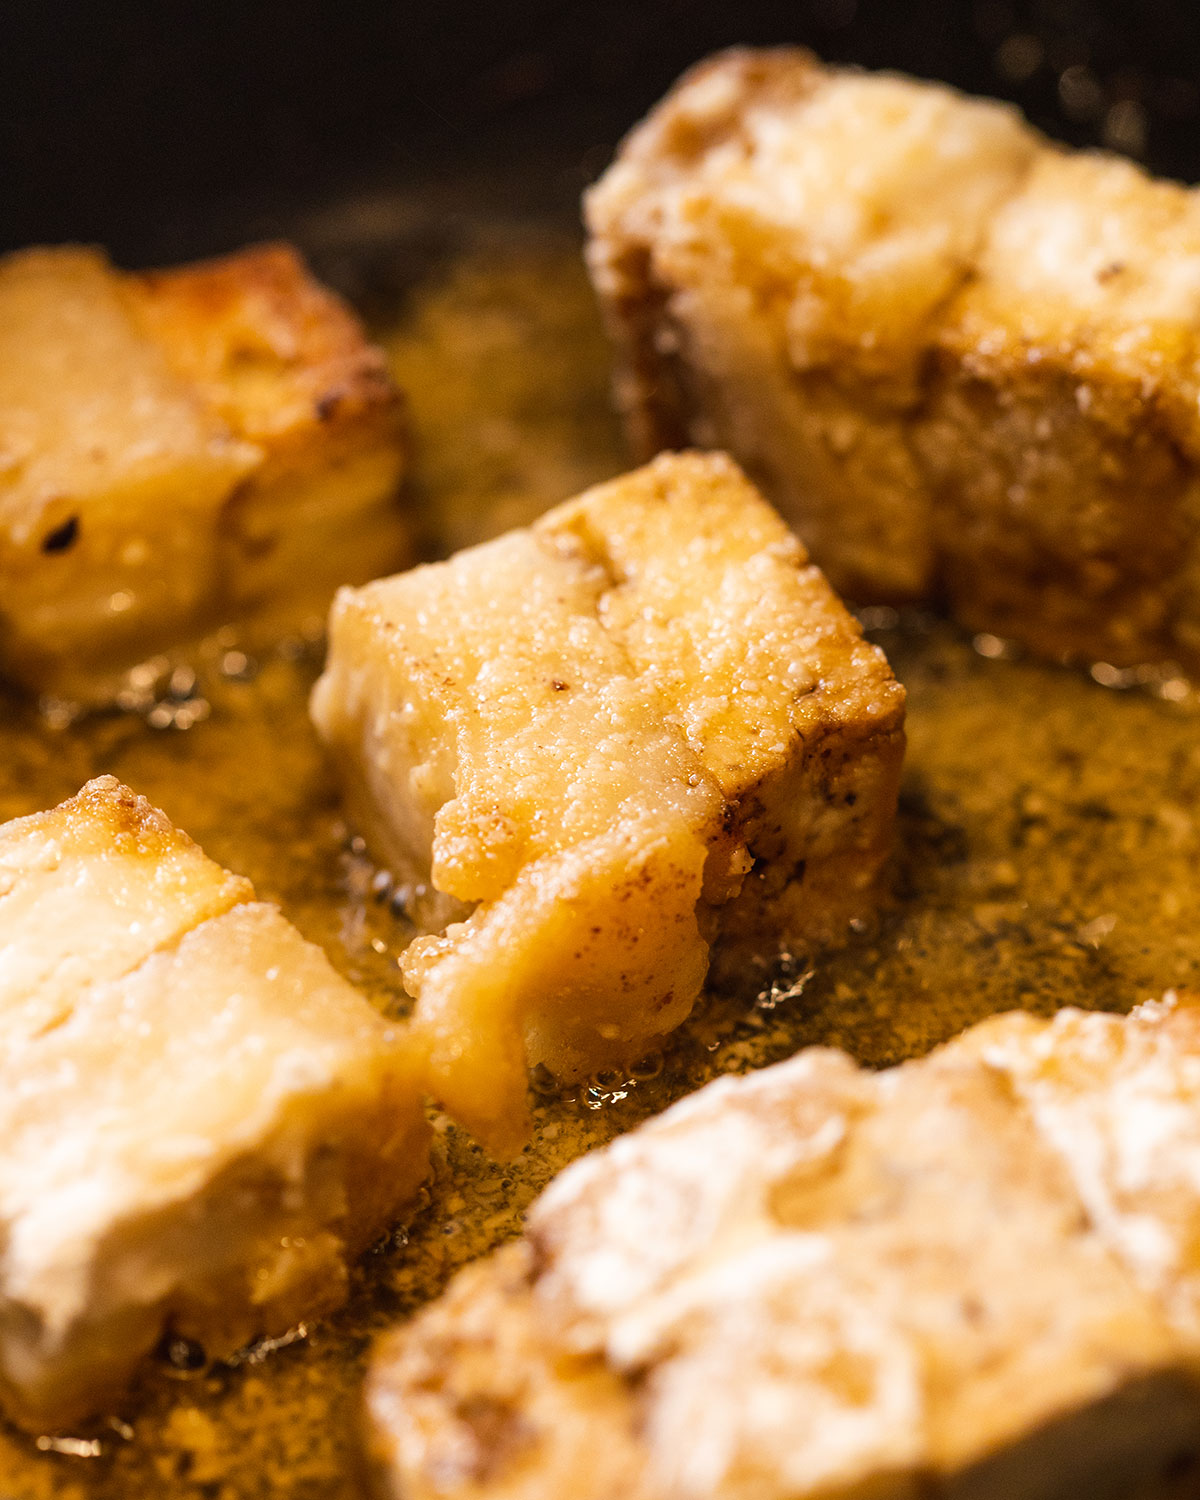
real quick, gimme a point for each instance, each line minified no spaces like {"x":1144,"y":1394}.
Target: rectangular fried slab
{"x":961,"y":360}
{"x":604,"y":741}
{"x":971,"y":1277}
{"x":179,"y":450}
{"x":201,"y":1123}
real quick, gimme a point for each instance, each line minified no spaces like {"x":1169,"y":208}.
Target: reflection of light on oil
{"x":1164,"y":679}
{"x":609,"y":1086}
{"x":254,"y":1354}
{"x":993,"y":647}
{"x":72,"y":1447}
{"x":788,"y":983}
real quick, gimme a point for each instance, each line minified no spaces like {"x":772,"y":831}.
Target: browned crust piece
{"x":640,"y":733}
{"x":287,"y":365}
{"x":202,"y":1125}
{"x":281,"y":358}
{"x":180,"y":450}
{"x":983,"y":391}
{"x":966,"y":1278}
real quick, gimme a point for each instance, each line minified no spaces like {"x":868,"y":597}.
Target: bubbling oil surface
{"x":1047,"y":844}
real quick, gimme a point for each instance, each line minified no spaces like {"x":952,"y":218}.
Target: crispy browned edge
{"x":260,"y":310}
{"x":258,"y":322}
{"x":651,"y":383}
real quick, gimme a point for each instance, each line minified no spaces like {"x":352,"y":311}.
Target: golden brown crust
{"x":223,"y":444}
{"x":105,"y":815}
{"x":89,"y":890}
{"x":644,"y":725}
{"x":962,"y":361}
{"x":810,"y":777}
{"x":201,"y":1122}
{"x":274,"y":352}
{"x":814,"y":1283}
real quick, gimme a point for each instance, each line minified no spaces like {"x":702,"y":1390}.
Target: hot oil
{"x":1047,"y":844}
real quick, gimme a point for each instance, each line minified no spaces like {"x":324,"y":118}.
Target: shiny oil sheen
{"x":1048,"y":840}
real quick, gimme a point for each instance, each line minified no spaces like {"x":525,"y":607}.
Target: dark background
{"x":182,"y":126}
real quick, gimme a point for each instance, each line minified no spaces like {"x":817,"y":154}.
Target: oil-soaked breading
{"x":971,"y":1276}
{"x":201,"y":1124}
{"x":604,"y":740}
{"x":179,"y":450}
{"x":961,"y":360}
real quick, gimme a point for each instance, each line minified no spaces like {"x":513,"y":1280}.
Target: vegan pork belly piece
{"x":961,"y":360}
{"x":815,"y":1281}
{"x":201,"y":1123}
{"x":180,"y":450}
{"x":644,"y":725}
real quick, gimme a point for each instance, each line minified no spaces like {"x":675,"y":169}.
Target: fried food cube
{"x":179,"y":450}
{"x":642,"y":725}
{"x":819,"y":1282}
{"x":202,"y":1124}
{"x":960,"y":359}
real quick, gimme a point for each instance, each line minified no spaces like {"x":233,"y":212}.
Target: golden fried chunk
{"x":818,"y":1282}
{"x":201,"y":1124}
{"x":604,"y":740}
{"x":961,"y":360}
{"x":179,"y":450}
